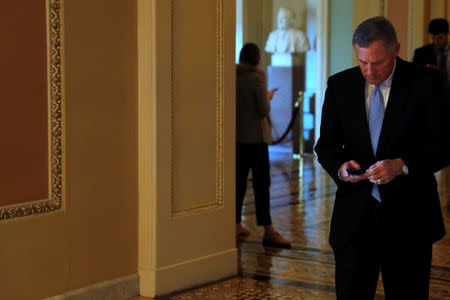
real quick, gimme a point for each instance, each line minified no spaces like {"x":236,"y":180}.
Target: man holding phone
{"x":381,"y":142}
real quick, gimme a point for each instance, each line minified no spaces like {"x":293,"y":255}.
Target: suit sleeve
{"x":424,"y":55}
{"x":329,"y":147}
{"x":445,"y":133}
{"x":416,"y":57}
{"x":431,"y":150}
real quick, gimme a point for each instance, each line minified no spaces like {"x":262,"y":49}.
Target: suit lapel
{"x":396,"y":101}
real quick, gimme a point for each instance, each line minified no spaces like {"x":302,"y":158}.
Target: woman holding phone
{"x":253,"y":135}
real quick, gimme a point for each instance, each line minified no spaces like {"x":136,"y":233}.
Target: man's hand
{"x":384,"y":171}
{"x":347,"y":176}
{"x":270,"y":95}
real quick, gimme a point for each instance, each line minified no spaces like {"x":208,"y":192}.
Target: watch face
{"x":405,"y":170}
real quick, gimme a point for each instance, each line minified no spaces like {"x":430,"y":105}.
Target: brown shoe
{"x":241,"y":230}
{"x":275,"y":239}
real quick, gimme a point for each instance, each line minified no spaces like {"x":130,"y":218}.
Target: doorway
{"x":300,"y":190}
{"x":255,"y":21}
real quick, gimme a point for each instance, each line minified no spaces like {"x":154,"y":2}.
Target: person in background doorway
{"x":436,"y":54}
{"x":253,"y":135}
{"x":382,"y":120}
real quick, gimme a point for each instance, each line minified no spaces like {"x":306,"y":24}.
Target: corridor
{"x":306,"y":271}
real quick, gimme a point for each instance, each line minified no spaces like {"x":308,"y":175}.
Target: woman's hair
{"x":250,"y":54}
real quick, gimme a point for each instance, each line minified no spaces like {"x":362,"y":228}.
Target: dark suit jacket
{"x":410,"y":131}
{"x":425,"y":55}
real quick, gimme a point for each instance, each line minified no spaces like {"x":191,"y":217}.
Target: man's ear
{"x":397,"y":49}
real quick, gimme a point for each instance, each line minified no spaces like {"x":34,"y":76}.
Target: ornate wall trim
{"x":55,"y":91}
{"x":219,"y":200}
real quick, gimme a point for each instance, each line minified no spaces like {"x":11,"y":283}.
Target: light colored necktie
{"x":376,"y":115}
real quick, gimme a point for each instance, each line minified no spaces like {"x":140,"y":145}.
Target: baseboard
{"x":188,"y":274}
{"x":122,"y":288}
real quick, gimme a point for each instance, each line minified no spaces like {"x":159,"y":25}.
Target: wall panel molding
{"x":125,"y":287}
{"x":55,"y":88}
{"x":186,"y":138}
{"x":219,"y":118}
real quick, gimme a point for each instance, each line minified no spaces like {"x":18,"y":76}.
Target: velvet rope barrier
{"x":291,"y":122}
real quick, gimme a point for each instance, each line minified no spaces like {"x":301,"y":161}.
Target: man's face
{"x":440,"y":39}
{"x":285,"y":19}
{"x":376,"y":62}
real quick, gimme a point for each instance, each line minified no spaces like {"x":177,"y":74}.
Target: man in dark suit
{"x":379,"y":118}
{"x":436,"y":54}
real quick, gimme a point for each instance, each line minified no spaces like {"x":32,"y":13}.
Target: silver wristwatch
{"x":405,"y":170}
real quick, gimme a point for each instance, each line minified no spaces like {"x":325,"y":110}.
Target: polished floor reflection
{"x":301,"y":211}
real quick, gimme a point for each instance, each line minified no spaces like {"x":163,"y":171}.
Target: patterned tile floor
{"x":306,"y":271}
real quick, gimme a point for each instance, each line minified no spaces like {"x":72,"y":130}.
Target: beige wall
{"x":438,"y":9}
{"x":447,"y":13}
{"x":362,"y":10}
{"x":95,"y":238}
{"x":257,"y":25}
{"x":397,"y":12}
{"x":409,"y":17}
{"x":417,"y":29}
{"x":253,"y":18}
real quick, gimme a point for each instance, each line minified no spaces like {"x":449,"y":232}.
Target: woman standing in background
{"x":253,"y":136}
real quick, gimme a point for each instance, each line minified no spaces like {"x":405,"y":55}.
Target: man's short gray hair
{"x":375,"y":29}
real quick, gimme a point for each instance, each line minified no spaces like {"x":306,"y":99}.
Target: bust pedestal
{"x":287,"y":73}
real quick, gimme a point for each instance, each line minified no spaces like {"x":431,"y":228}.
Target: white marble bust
{"x":287,"y":38}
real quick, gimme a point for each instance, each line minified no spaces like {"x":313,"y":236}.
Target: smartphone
{"x":353,"y":171}
{"x":274,"y":90}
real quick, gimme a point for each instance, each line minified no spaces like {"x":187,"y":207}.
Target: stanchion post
{"x":301,"y":146}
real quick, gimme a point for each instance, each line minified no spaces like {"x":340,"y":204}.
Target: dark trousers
{"x":405,"y":268}
{"x":256,"y":158}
